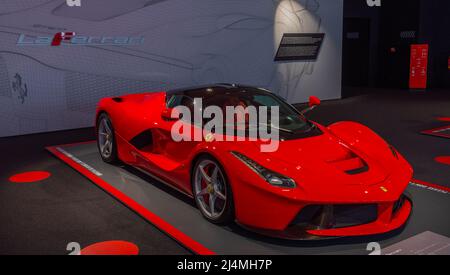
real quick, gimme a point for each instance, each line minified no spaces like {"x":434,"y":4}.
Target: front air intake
{"x":335,"y":216}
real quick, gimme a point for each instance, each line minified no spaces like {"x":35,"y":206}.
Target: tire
{"x":213,"y":188}
{"x":105,"y":132}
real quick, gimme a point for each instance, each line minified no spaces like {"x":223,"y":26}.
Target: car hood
{"x":325,"y":159}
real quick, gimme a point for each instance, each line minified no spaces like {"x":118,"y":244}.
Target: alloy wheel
{"x":105,"y":138}
{"x":210,"y":189}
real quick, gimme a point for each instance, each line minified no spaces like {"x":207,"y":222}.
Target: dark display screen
{"x":299,"y":46}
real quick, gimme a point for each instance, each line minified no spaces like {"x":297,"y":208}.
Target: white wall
{"x":187,"y":42}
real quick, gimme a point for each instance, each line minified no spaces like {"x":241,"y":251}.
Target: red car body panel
{"x":317,"y":164}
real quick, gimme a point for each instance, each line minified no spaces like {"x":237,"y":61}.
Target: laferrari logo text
{"x":70,"y":38}
{"x":232,"y":123}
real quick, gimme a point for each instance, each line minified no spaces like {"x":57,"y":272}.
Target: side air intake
{"x":143,"y":140}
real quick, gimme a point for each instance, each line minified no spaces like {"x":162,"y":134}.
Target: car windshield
{"x":290,"y":120}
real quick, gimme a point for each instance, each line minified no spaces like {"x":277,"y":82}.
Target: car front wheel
{"x":106,"y":141}
{"x":212,"y":191}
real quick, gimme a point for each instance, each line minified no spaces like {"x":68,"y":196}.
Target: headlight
{"x":271,"y":177}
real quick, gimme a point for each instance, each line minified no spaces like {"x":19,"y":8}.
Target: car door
{"x":170,"y":156}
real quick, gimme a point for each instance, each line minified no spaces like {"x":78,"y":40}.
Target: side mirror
{"x":313,"y":103}
{"x":170,"y":114}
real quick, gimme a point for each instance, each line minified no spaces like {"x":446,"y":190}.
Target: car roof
{"x":215,"y":89}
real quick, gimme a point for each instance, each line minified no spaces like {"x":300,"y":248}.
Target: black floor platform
{"x":430,"y":212}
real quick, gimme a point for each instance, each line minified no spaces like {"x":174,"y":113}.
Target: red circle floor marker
{"x":444,"y":119}
{"x":27,"y":177}
{"x":111,"y":248}
{"x":443,"y":160}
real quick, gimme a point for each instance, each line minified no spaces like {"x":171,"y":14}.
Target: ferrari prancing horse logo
{"x":20,"y":87}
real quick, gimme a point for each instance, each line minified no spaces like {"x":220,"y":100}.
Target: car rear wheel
{"x":212,"y":191}
{"x":106,"y":141}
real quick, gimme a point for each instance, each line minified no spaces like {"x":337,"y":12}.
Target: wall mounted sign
{"x":299,"y":47}
{"x":418,"y":66}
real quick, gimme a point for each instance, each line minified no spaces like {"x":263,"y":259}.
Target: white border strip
{"x":85,"y":165}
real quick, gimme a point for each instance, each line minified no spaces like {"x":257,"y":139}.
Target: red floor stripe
{"x":432,"y":185}
{"x":164,"y":226}
{"x":75,"y":144}
{"x":444,"y":119}
{"x":438,"y":132}
{"x":443,"y":160}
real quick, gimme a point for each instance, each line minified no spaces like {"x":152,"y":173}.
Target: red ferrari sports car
{"x":334,"y":181}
